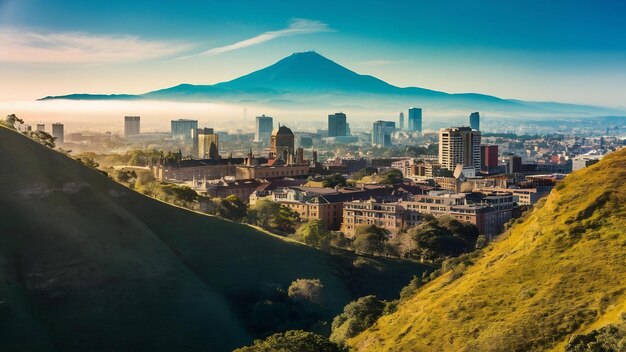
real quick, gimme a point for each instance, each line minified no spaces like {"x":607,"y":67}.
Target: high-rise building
{"x":57,"y":132}
{"x":282,"y":144}
{"x":381,"y":132}
{"x":131,"y":125}
{"x":195,"y":133}
{"x":263,"y":130}
{"x":475,"y":121}
{"x":181,"y":128}
{"x":514,"y":164}
{"x":337,"y":125}
{"x":415,"y":119}
{"x":489,"y":157}
{"x":208,"y":144}
{"x":401,"y":124}
{"x":41,"y":127}
{"x":459,"y":145}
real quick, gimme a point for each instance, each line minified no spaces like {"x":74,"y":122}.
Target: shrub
{"x":292,"y":341}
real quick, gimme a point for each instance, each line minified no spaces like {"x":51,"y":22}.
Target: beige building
{"x":459,"y":145}
{"x":208,"y":146}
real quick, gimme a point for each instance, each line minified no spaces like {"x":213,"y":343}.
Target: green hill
{"x":86,"y":264}
{"x":559,"y":272}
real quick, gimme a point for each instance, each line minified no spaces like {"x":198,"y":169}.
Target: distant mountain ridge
{"x":306,"y":77}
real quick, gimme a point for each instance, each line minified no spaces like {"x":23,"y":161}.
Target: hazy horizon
{"x":578,"y":56}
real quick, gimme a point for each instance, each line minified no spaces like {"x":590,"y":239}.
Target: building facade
{"x":263,"y":128}
{"x":282,"y":144}
{"x":337,"y":125}
{"x":131,"y":125}
{"x":181,"y":128}
{"x":381,"y":133}
{"x":474,"y":120}
{"x":58,"y":132}
{"x":415,"y":119}
{"x":488,"y":157}
{"x":459,"y":145}
{"x":208,"y":145}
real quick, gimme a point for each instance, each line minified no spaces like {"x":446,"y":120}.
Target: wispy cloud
{"x":31,"y":47}
{"x":296,"y":26}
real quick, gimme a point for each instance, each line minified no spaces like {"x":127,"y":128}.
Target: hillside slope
{"x":86,"y":264}
{"x":556,"y":273}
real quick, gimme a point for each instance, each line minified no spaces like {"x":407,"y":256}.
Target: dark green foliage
{"x":411,"y":288}
{"x":273,"y":216}
{"x":334,"y":180}
{"x":313,"y":234}
{"x":363,"y":172}
{"x":370,"y":239}
{"x":125,"y":176}
{"x":306,"y":290}
{"x":436,"y":239}
{"x":356,"y":317}
{"x":390,"y":177}
{"x":233,"y":208}
{"x":292,"y":341}
{"x":611,"y":338}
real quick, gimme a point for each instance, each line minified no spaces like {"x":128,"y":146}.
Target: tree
{"x":334,"y":180}
{"x":292,"y":341}
{"x":233,"y":208}
{"x":356,"y":317}
{"x":390,"y":177}
{"x":274,"y":216}
{"x":43,"y":138}
{"x":11,"y":120}
{"x":314,"y":234}
{"x":370,"y":239}
{"x":363,"y":172}
{"x":410,"y":289}
{"x":306,"y":290}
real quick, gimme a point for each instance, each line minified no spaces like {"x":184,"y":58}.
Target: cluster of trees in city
{"x":361,"y":314}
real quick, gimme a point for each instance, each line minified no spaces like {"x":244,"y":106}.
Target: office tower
{"x":57,"y":132}
{"x":263,"y":130}
{"x":131,"y":125}
{"x":41,"y":127}
{"x":208,"y":144}
{"x":475,"y":121}
{"x":489,"y":157}
{"x":415,"y":119}
{"x":401,"y":121}
{"x":195,"y":133}
{"x":282,"y":144}
{"x":515,"y":164}
{"x":381,"y":132}
{"x":337,"y":125}
{"x":459,"y":145}
{"x":181,"y":128}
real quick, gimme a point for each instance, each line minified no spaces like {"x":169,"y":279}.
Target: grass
{"x":557,"y":273}
{"x":87,"y":264}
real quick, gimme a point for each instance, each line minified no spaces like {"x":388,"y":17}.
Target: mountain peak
{"x":307,"y":70}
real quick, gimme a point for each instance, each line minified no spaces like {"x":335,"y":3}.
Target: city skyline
{"x":453,"y":48}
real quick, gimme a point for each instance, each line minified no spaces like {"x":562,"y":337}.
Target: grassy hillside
{"x":558,"y":272}
{"x":86,"y":264}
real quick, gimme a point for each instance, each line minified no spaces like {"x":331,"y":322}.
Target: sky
{"x":567,"y":51}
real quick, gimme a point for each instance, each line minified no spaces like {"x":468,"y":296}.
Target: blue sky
{"x":570,"y":51}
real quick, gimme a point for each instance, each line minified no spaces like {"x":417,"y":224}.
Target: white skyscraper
{"x":459,"y":145}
